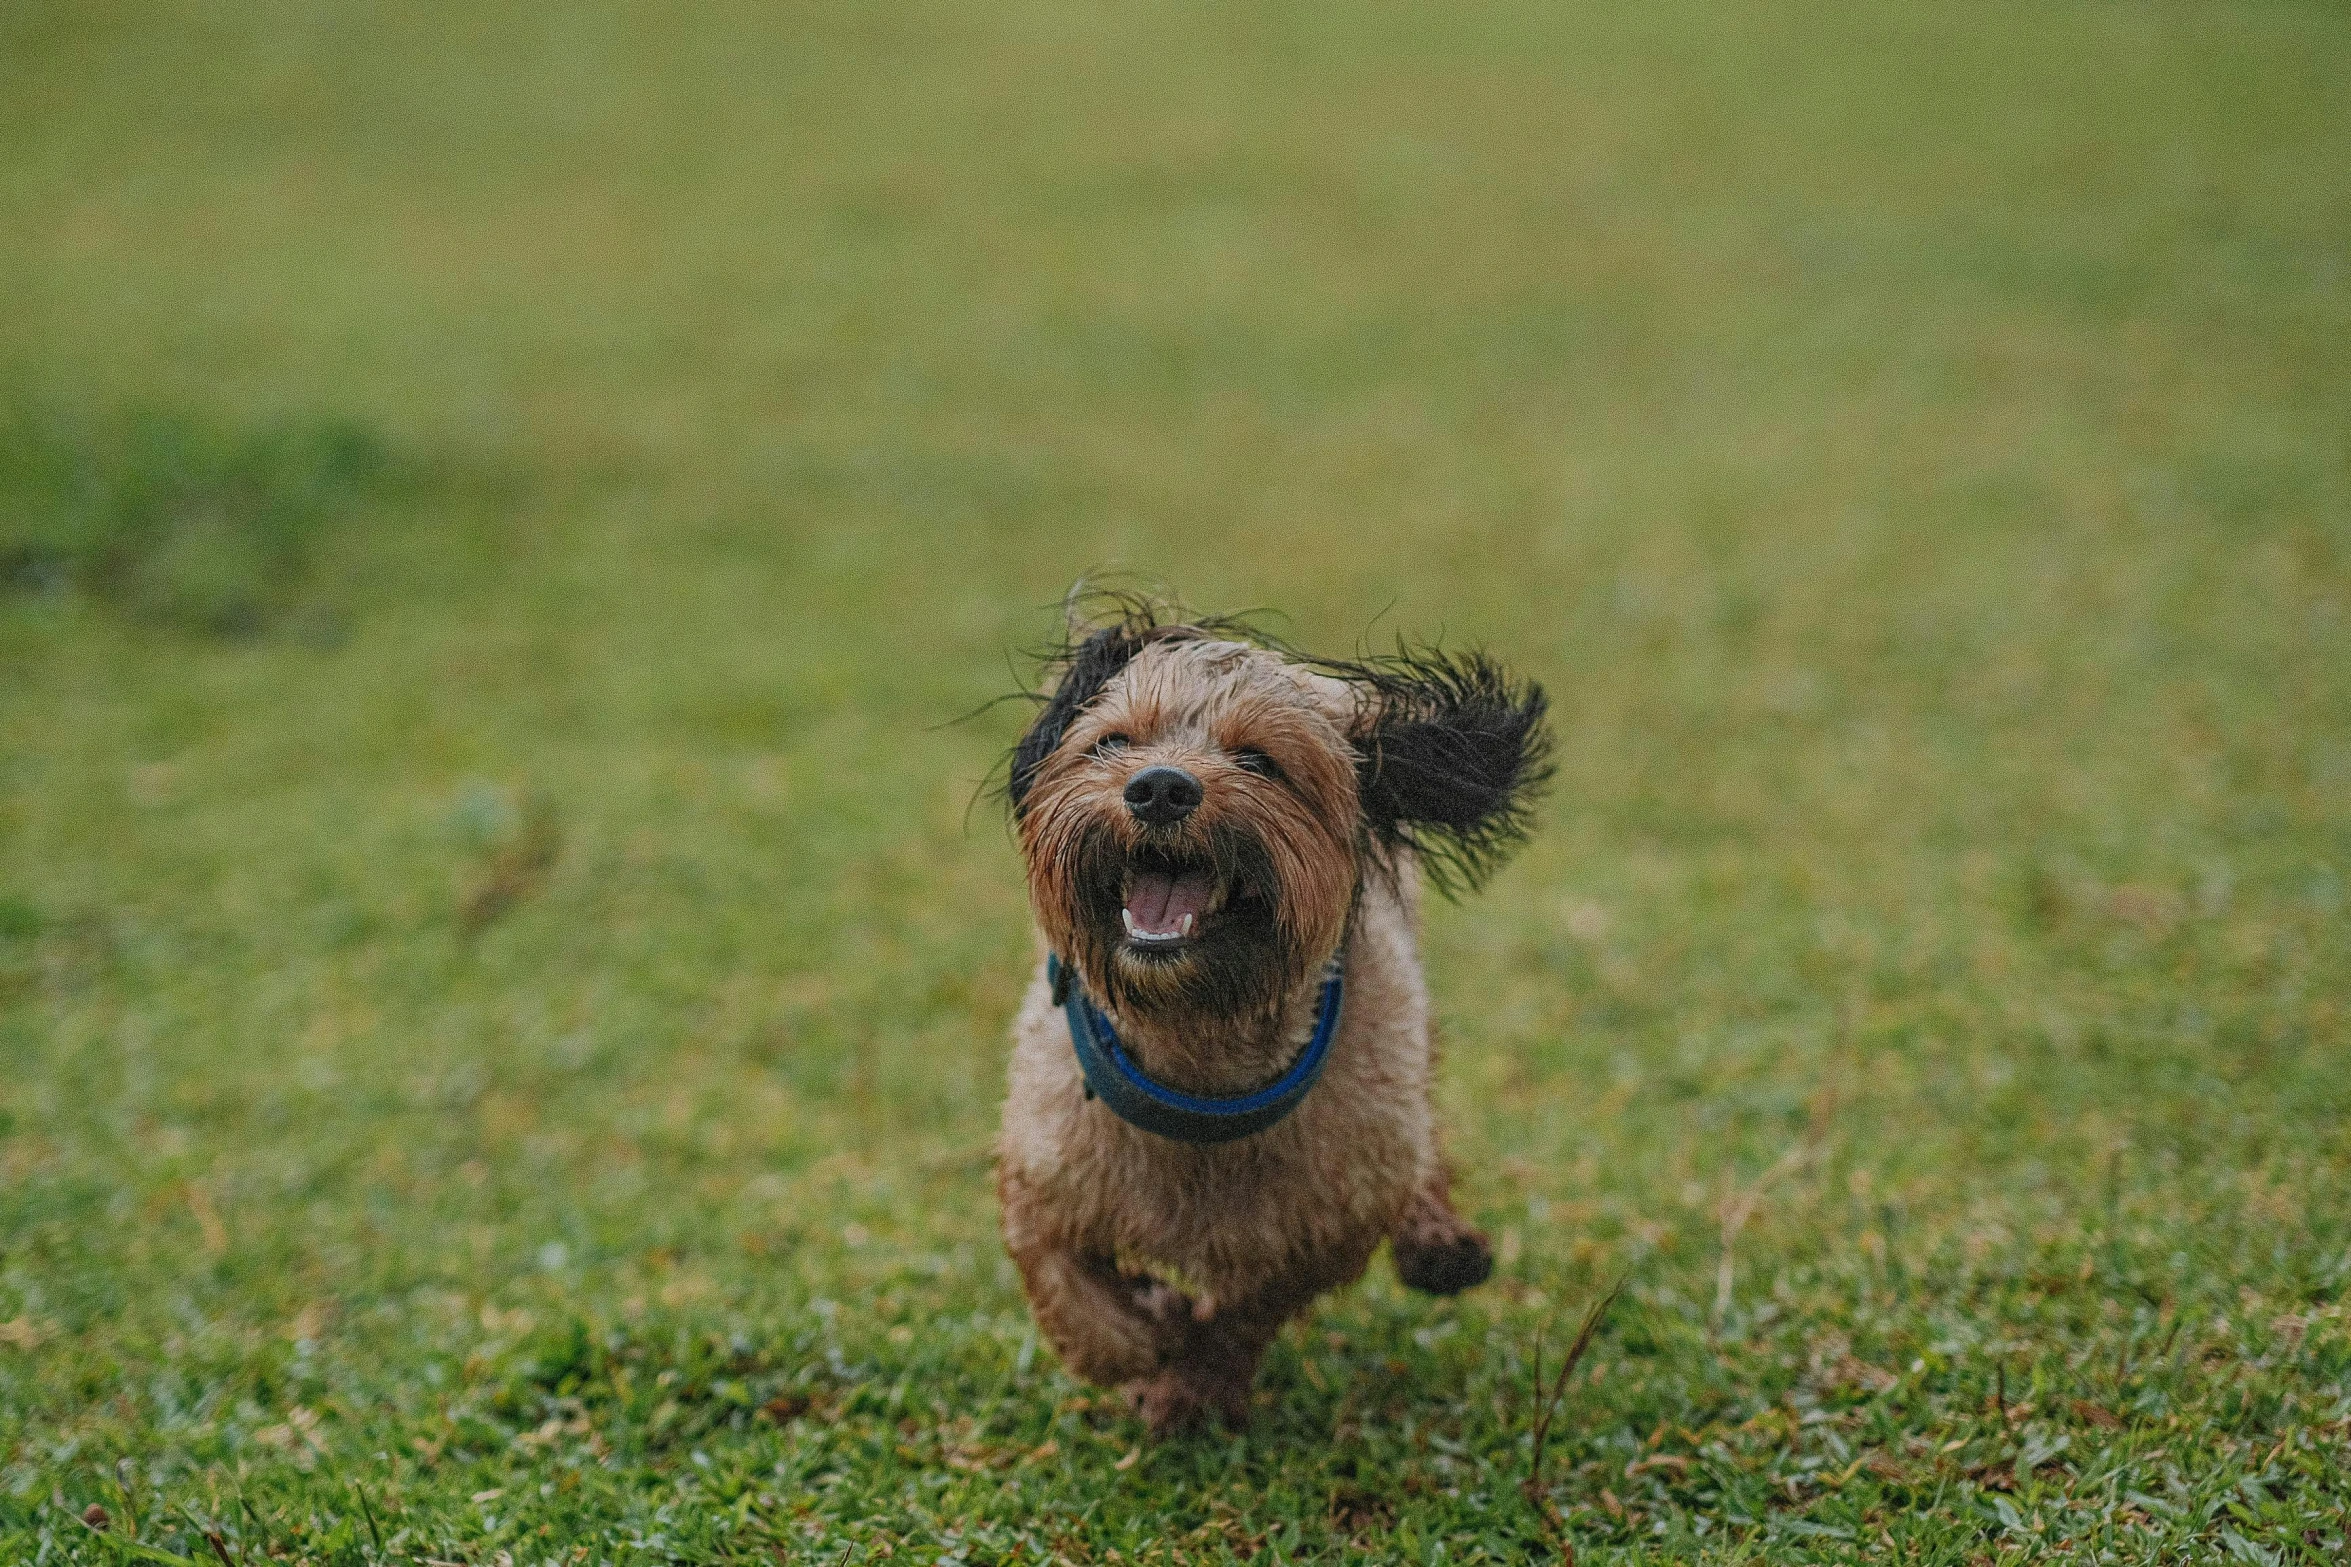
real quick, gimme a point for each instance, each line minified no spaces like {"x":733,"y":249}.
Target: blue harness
{"x":1112,"y":1076}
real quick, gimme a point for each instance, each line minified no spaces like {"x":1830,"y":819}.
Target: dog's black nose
{"x":1162,"y":796}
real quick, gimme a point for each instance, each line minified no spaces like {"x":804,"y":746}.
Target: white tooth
{"x":1128,"y":915}
{"x":1184,"y":926}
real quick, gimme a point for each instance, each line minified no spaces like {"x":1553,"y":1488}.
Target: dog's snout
{"x":1162,"y":796}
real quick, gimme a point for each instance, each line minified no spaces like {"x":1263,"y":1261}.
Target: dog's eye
{"x":1251,"y":760}
{"x":1110,"y":743}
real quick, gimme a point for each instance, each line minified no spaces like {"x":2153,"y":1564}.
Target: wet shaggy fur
{"x":1162,"y":1267}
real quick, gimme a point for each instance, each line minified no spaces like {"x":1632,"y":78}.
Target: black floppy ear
{"x":1451,"y":752}
{"x":1088,"y":667}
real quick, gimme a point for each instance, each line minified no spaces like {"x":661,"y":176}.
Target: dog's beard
{"x":1185,"y":921}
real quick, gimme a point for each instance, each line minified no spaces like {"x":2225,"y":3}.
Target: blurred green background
{"x":502,"y":975}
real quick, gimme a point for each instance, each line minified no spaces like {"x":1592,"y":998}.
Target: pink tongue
{"x":1158,"y":902}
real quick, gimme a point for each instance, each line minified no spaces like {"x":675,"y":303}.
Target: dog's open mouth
{"x":1169,"y":902}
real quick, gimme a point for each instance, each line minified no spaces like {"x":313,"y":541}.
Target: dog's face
{"x":1191,"y":833}
{"x":1198,"y":813}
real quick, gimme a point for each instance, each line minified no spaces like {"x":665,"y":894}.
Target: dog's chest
{"x":1225,"y":1220}
{"x":1328,"y":1181}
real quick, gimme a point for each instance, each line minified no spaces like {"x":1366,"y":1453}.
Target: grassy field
{"x":502,"y":978}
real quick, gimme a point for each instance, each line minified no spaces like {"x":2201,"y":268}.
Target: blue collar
{"x":1113,"y":1078}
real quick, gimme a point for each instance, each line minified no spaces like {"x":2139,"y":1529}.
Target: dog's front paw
{"x":1444,"y":1264}
{"x":1179,"y":1399}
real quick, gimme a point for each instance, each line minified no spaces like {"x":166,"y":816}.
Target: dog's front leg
{"x":1436,"y":1249}
{"x":1211,"y":1373}
{"x":1214,"y":1369}
{"x":1100,"y":1321}
{"x":1107,"y":1327}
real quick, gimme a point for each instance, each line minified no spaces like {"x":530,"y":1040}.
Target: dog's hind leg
{"x":1436,"y":1250}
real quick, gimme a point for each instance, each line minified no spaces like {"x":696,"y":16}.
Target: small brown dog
{"x":1219,"y":1096}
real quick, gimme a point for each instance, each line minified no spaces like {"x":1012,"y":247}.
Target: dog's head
{"x":1199,"y":810}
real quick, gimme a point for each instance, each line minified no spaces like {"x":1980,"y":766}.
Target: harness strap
{"x":1112,"y":1076}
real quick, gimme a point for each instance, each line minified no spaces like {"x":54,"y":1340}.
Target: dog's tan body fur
{"x":1166,"y":1267}
{"x":1253,"y":1230}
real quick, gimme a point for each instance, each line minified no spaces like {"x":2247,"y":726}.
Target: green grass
{"x":509,"y":1076}
{"x":171,"y":522}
